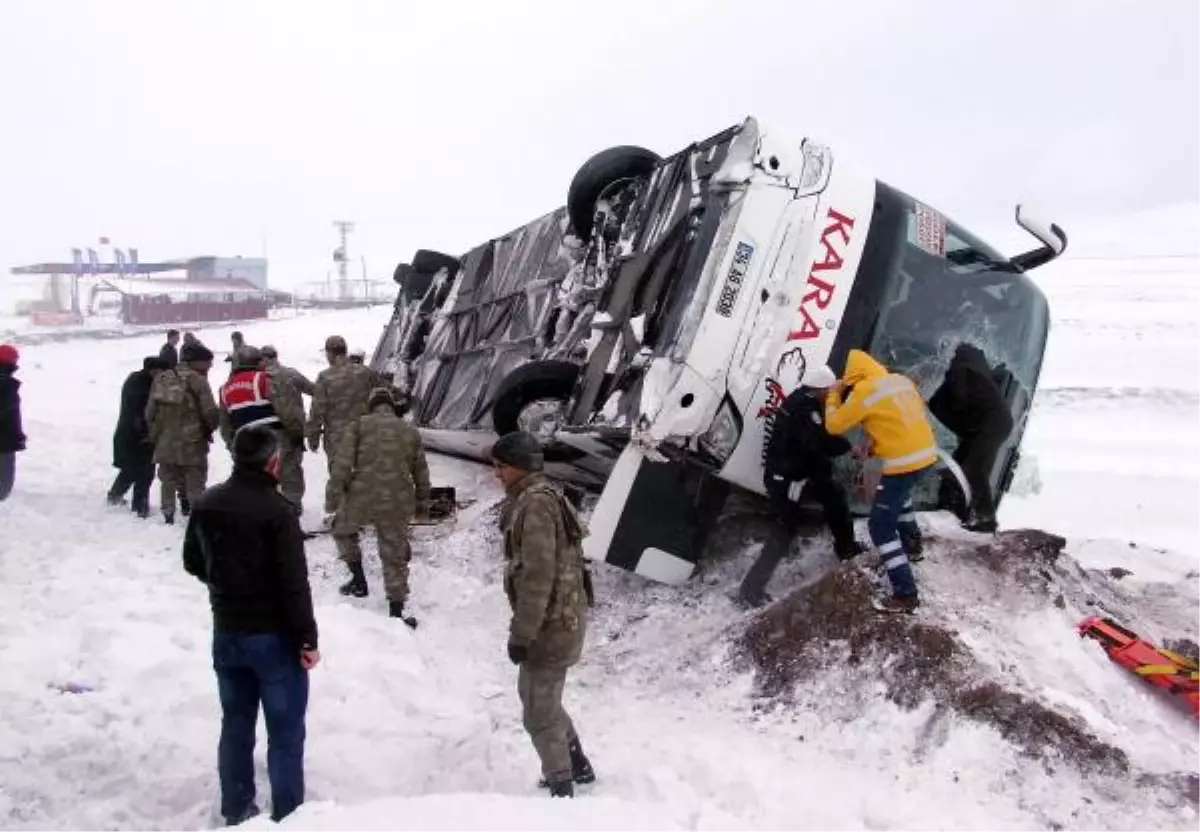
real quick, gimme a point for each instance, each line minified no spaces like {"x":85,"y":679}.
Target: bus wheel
{"x":431,"y":262}
{"x":534,"y":398}
{"x":413,"y":284}
{"x":602,"y":170}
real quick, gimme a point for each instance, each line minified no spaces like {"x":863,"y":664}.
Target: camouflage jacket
{"x":379,"y":468}
{"x":339,"y":397}
{"x":297,"y":378}
{"x":182,"y":416}
{"x":544,"y":575}
{"x":286,"y":396}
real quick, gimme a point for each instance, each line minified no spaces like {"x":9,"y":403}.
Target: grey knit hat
{"x":519,"y":450}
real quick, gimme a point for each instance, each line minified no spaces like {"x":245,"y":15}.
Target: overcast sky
{"x":212,"y":127}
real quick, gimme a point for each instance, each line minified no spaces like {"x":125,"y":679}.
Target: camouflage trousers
{"x":291,"y":471}
{"x":185,"y":481}
{"x":545,"y":719}
{"x":394,"y":552}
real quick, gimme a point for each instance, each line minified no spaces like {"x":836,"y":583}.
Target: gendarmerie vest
{"x":246,"y":398}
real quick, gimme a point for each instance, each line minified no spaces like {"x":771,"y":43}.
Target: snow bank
{"x":483,"y":811}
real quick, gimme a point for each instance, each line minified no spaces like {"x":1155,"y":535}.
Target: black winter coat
{"x":244,"y":541}
{"x":12,"y":438}
{"x":131,"y":440}
{"x":969,"y":402}
{"x":799,"y":447}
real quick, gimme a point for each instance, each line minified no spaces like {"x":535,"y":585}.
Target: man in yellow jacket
{"x":893,"y":415}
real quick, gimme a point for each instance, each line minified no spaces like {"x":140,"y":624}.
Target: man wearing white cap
{"x":797,"y":460}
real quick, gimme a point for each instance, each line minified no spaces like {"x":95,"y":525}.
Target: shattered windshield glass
{"x":933,"y":285}
{"x":949,"y":287}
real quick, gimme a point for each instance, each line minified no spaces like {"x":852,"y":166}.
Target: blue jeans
{"x":892,"y":524}
{"x":253,"y":668}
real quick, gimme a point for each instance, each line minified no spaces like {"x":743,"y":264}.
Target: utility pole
{"x":341,"y":257}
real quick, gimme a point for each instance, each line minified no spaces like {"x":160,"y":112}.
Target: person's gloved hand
{"x":517,"y":653}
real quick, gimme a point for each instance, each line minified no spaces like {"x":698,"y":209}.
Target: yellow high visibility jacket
{"x":891,"y":411}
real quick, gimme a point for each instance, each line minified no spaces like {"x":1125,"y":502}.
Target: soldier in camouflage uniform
{"x":287,"y":385}
{"x":297,"y":378}
{"x":339,"y":397}
{"x":359,"y":356}
{"x":379,"y":478}
{"x":549,"y":590}
{"x":182,"y":416}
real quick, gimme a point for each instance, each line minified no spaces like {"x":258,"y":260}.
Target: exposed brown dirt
{"x":830,"y":624}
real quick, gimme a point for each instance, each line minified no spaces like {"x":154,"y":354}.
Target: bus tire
{"x":430,"y":262}
{"x":597,"y":173}
{"x":413,"y":284}
{"x":535,"y":382}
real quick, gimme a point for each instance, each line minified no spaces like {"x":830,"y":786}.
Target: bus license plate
{"x":733,"y":281}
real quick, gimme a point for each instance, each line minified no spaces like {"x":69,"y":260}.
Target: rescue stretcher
{"x":1165,"y":669}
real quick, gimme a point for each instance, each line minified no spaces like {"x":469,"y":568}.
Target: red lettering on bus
{"x":820,"y":292}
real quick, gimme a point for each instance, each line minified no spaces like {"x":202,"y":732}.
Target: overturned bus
{"x":647,"y":331}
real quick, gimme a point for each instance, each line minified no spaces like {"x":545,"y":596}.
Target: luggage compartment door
{"x":653,"y":517}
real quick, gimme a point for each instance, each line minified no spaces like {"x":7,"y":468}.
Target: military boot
{"x":581,"y":766}
{"x":168,"y":518}
{"x":564,"y":789}
{"x":356,"y":587}
{"x":396,"y":610}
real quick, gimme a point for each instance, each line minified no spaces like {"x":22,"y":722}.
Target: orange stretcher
{"x":1165,"y":669}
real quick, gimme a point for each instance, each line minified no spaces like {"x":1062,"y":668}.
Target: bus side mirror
{"x":1052,"y":238}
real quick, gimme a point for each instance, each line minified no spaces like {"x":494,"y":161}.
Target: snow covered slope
{"x":421,"y":730}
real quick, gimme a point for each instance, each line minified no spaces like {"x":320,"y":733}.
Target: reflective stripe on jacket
{"x":890,"y":410}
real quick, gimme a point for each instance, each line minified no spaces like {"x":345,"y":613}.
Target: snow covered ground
{"x":421,"y":730}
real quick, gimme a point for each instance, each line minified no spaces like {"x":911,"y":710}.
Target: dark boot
{"x":897,"y":604}
{"x":564,"y":789}
{"x":169,"y":519}
{"x":981,"y":523}
{"x":356,"y":587}
{"x":396,"y":610}
{"x":115,"y":500}
{"x":581,"y":766}
{"x":848,"y":551}
{"x":185,"y":508}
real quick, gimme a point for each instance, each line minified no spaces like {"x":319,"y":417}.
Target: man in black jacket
{"x":798,"y":461}
{"x":12,"y":437}
{"x":133,"y":452}
{"x":244,"y":542}
{"x":170,"y":350}
{"x":971,"y":404}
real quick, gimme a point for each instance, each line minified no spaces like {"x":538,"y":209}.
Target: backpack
{"x":170,"y":388}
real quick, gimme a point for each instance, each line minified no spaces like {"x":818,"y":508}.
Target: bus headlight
{"x":723,"y":434}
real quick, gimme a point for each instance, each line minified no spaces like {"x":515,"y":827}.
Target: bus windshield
{"x":929,"y":285}
{"x":948,"y":287}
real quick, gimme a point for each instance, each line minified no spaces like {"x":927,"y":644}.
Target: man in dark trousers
{"x":12,"y":437}
{"x":133,"y":452}
{"x":244,"y":542}
{"x":798,"y":462}
{"x":170,"y":350}
{"x":549,"y":591}
{"x":972,"y":406}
